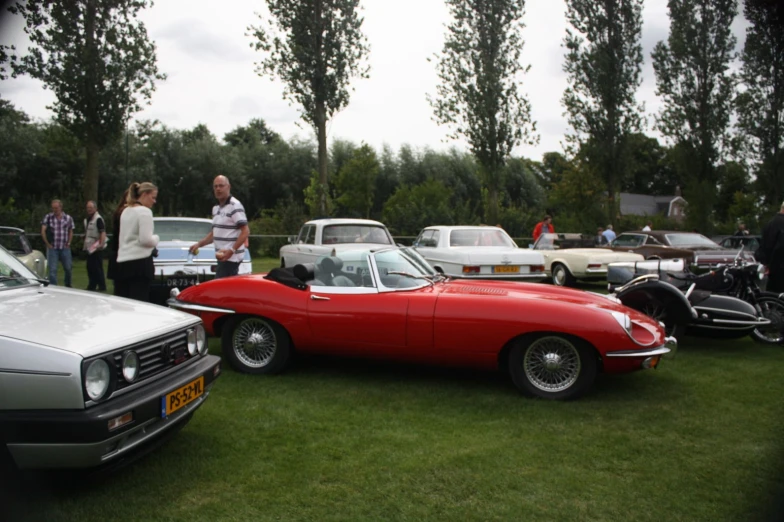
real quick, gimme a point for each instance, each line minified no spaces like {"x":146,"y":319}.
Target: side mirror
{"x":292,"y":240}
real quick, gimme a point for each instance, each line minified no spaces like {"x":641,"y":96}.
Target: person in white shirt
{"x":136,"y":243}
{"x":230,"y":230}
{"x":608,"y":234}
{"x":647,"y":228}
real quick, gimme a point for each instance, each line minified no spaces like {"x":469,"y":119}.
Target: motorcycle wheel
{"x":658,"y":311}
{"x":771,"y":307}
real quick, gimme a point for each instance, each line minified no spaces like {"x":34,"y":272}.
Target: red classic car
{"x":388,"y":303}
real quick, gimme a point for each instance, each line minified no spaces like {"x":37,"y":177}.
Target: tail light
{"x":470,"y":269}
{"x":537,"y":269}
{"x":594,"y":266}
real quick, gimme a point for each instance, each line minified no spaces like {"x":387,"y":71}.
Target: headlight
{"x":624,"y":320}
{"x":97,"y":379}
{"x":174,"y":293}
{"x":193,"y":348}
{"x":130,"y":366}
{"x":201,"y":340}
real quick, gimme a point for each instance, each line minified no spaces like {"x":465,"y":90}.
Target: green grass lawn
{"x":698,"y":439}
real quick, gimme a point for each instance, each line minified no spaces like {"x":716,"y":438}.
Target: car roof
{"x":194,"y":220}
{"x":343,"y":221}
{"x":462,"y":227}
{"x":12,"y":228}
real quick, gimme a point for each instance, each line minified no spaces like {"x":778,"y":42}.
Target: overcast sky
{"x":204,"y":50}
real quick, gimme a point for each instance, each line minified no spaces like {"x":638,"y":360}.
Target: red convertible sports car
{"x":388,"y":303}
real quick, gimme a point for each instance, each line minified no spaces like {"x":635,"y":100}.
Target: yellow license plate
{"x":181,"y":397}
{"x":506,"y":269}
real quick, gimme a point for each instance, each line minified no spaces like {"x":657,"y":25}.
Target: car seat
{"x":329,"y":272}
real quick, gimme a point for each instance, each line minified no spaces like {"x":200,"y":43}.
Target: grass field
{"x":698,"y":439}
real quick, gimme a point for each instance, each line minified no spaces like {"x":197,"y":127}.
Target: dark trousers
{"x":133,"y":288}
{"x":775,"y":281}
{"x":227,"y":269}
{"x":95,"y":277}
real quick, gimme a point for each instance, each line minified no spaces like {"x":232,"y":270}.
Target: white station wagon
{"x":478,"y":252}
{"x":87,"y":380}
{"x":321,"y":237}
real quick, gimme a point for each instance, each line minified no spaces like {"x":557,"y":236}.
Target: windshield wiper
{"x":44,"y":282}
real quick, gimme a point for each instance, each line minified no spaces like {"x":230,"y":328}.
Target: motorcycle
{"x":741,"y":280}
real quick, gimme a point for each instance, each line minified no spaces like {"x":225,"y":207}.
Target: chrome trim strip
{"x":34,"y":372}
{"x":174,"y":303}
{"x":661,"y":350}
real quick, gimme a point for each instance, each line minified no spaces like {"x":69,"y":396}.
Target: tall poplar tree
{"x":96,"y":58}
{"x":315,"y":47}
{"x":761,"y":105}
{"x":604,"y":65}
{"x":479,"y":72}
{"x":694,"y":80}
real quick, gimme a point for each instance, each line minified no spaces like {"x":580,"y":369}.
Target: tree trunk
{"x":90,"y":185}
{"x":321,"y":129}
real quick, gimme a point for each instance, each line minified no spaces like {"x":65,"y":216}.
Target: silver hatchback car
{"x":88,"y":379}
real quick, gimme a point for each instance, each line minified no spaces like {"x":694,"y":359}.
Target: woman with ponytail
{"x":136,"y":242}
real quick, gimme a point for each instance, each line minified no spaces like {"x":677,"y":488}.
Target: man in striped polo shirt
{"x":229,"y":230}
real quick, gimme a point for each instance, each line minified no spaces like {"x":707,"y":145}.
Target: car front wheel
{"x":555,"y":367}
{"x":255,"y":345}
{"x":562,"y":276}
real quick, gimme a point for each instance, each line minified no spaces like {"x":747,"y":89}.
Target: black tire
{"x":658,"y":311}
{"x":553,"y":366}
{"x":256,"y":345}
{"x":771,"y":308}
{"x":561,"y":275}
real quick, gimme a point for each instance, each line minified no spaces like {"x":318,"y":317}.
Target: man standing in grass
{"x":57,"y":231}
{"x":229,"y":230}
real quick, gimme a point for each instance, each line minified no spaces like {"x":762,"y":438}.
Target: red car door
{"x":392,"y":324}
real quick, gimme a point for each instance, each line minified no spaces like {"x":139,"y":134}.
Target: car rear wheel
{"x":562,"y":276}
{"x":255,"y":345}
{"x":556,"y":367}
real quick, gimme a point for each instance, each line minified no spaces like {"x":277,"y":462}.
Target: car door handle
{"x":318,"y":298}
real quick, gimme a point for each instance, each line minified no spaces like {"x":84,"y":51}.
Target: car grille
{"x":155,"y":356}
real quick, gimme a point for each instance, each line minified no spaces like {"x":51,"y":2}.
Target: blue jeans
{"x":63,"y":255}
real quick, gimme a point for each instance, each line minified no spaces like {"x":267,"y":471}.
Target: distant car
{"x":87,"y":379}
{"x":749,"y":243}
{"x":478,"y":252}
{"x":320,"y":237}
{"x":388,"y":303}
{"x":15,"y":241}
{"x":698,"y":251}
{"x":175,"y":267}
{"x":570,"y":257}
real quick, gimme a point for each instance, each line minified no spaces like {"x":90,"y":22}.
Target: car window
{"x":310,"y":235}
{"x":436,"y":237}
{"x":629,"y":241}
{"x":425,"y":239}
{"x":689,"y":239}
{"x":14,"y":242}
{"x":482,"y":237}
{"x":355,"y":233}
{"x":12,"y":272}
{"x":173,"y":230}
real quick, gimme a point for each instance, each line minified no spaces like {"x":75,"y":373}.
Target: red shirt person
{"x":544,"y":227}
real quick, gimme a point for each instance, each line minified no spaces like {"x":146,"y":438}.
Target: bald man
{"x":229,"y":230}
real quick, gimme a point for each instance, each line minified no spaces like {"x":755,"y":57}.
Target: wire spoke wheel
{"x":254,"y":343}
{"x":658,"y":312}
{"x":552,"y":364}
{"x":773,"y":333}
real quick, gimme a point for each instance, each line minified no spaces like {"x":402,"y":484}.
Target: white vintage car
{"x":321,"y":237}
{"x":569,"y":257}
{"x":15,"y":241}
{"x":175,"y":266}
{"x":90,"y":380}
{"x":478,"y":252}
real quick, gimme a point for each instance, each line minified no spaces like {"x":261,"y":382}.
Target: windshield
{"x":12,"y":271}
{"x":480,"y":237}
{"x":629,"y":240}
{"x":353,"y":233}
{"x":690,"y":239}
{"x":14,"y":241}
{"x":185,"y":230}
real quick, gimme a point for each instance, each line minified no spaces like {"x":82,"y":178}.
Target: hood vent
{"x":476,"y":290}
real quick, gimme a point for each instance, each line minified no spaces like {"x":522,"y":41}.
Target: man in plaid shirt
{"x":57,"y":230}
